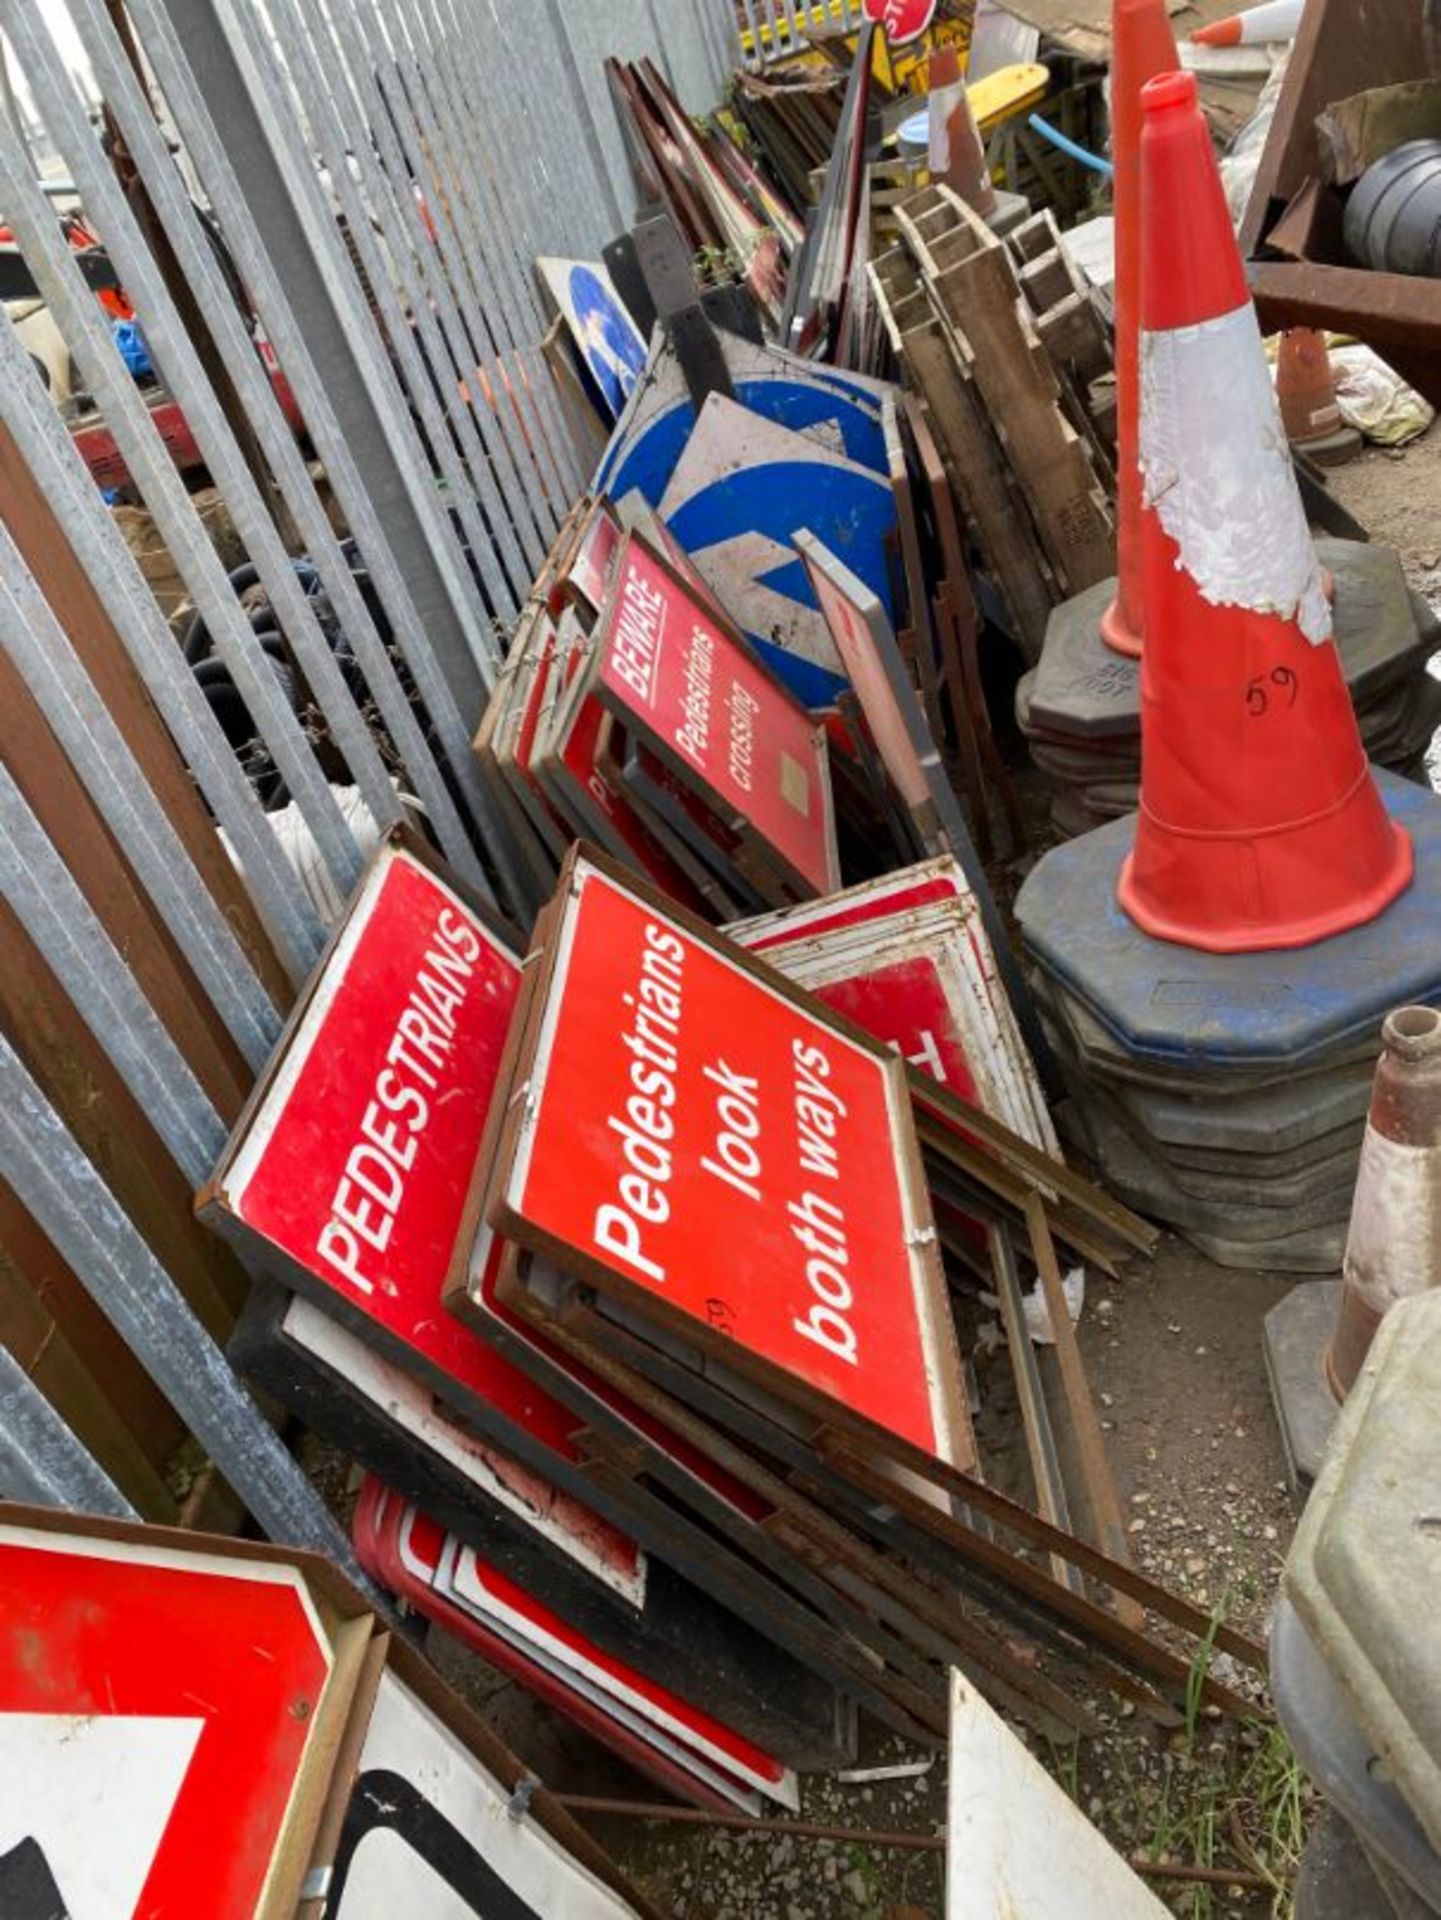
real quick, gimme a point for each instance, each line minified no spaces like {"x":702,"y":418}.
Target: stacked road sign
{"x":692,"y":1141}
{"x":1080,"y":708}
{"x":618,"y":1264}
{"x":633,"y":713}
{"x":908,"y":958}
{"x":703,"y":1186}
{"x":344,"y":1185}
{"x":204,"y":1726}
{"x":631,"y":1715}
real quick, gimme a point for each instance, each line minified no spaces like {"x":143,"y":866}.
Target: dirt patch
{"x":1395,"y":493}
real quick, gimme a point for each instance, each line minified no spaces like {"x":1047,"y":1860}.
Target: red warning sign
{"x":734,"y":1161}
{"x":157,"y":1707}
{"x":355,"y":1165}
{"x":669,"y":669}
{"x":903,"y":20}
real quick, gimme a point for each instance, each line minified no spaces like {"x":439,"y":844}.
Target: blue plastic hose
{"x":1058,"y":139}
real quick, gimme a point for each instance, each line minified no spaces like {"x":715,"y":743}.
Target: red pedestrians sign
{"x":158,"y":1708}
{"x":356,"y":1162}
{"x":707,"y":1143}
{"x":348,"y":1178}
{"x":676,"y":676}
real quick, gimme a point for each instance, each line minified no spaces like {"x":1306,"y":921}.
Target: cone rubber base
{"x":1118,"y":633}
{"x":1332,"y":449}
{"x":1192,"y":1009}
{"x":1295,"y":1337}
{"x":1274,"y":933}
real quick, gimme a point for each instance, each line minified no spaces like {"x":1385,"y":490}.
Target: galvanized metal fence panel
{"x":76,"y":948}
{"x":64,"y":480}
{"x":382,"y":174}
{"x":41,"y":1162}
{"x":41,"y":1460}
{"x":198,"y":262}
{"x":148,"y":460}
{"x":261,"y":167}
{"x":35,"y":641}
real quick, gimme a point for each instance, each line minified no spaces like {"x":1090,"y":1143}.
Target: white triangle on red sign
{"x":96,"y":1795}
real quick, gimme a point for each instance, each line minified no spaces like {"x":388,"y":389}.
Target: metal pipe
{"x":111,"y":568}
{"x":65,"y":1196}
{"x":41,"y":1461}
{"x":197,"y":261}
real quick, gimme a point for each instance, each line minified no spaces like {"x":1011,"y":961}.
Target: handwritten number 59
{"x":1280,"y":686}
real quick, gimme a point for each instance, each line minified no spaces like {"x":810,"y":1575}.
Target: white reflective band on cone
{"x":1395,"y":1232}
{"x":1280,"y":20}
{"x":943,"y":103}
{"x":1216,"y":466}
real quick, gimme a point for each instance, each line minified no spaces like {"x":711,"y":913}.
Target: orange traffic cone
{"x":1393,"y":1248}
{"x":1307,"y":394}
{"x":1142,"y":45}
{"x":1277,"y":20}
{"x":957,"y":159}
{"x":1260,"y":825}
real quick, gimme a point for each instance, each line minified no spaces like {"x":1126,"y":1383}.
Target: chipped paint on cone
{"x":1393,"y":1247}
{"x":943,"y":103}
{"x":1216,"y":466}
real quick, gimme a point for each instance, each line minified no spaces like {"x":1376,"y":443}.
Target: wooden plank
{"x":584,"y":425}
{"x":1340,"y":46}
{"x":977,"y":474}
{"x":958,"y":621}
{"x":979,"y":299}
{"x":1107,"y":1520}
{"x":1046,"y":1476}
{"x":916,"y":639}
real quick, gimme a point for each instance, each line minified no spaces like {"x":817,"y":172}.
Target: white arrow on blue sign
{"x":742,"y":487}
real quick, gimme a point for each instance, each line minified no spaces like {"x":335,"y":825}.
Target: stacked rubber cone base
{"x":1225,"y":1095}
{"x":1080,"y":707}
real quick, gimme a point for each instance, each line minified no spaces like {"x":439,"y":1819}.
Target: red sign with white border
{"x":733,"y":1159}
{"x":908,"y":958}
{"x":873,"y":900}
{"x":649,"y":1724}
{"x":356,"y":1164}
{"x":903,"y":20}
{"x":156,"y":1705}
{"x":589,"y":572}
{"x":668,"y":665}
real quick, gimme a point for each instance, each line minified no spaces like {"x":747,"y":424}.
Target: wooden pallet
{"x":971,"y":282}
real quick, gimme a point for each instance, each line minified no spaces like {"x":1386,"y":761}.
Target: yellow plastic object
{"x":1007,"y":91}
{"x":907,"y":70}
